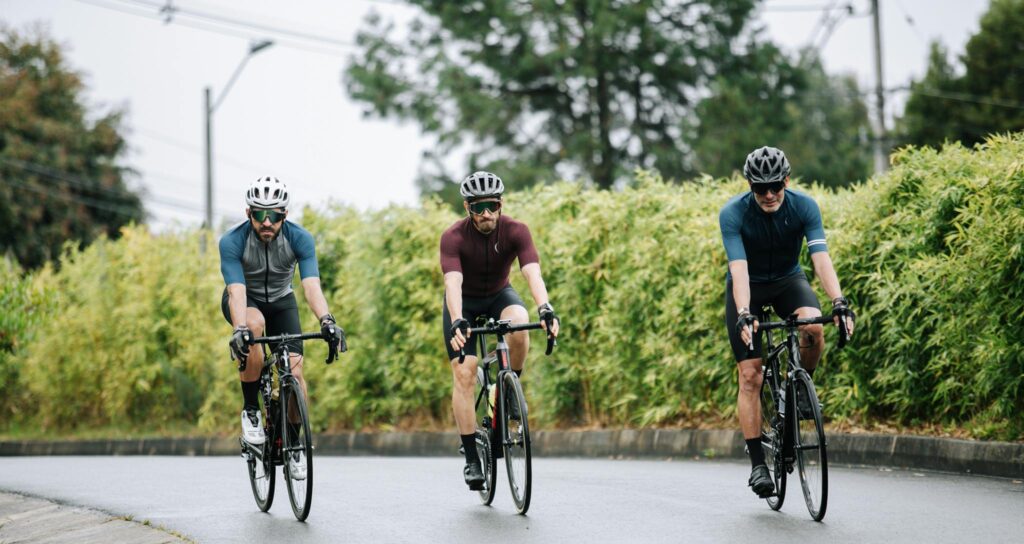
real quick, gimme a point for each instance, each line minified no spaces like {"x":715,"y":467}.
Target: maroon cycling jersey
{"x":486,"y":260}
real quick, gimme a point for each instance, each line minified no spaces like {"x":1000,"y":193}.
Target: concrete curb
{"x":1002,"y":459}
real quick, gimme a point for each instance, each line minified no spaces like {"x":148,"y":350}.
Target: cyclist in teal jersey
{"x":258,"y":259}
{"x":762,"y":232}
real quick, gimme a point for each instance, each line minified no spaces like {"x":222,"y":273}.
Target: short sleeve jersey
{"x":485,"y":261}
{"x":267,"y":270}
{"x":771,"y":242}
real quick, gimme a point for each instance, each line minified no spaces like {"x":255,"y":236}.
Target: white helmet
{"x":481,"y":185}
{"x":267,"y":192}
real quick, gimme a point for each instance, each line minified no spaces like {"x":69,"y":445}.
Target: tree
{"x":820,"y":121}
{"x":577,"y":88}
{"x":60,"y":178}
{"x":989,"y":95}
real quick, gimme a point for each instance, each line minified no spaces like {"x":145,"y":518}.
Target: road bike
{"x":503,"y":429}
{"x":792,"y":429}
{"x":286,"y":425}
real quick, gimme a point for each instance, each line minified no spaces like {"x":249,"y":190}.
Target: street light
{"x":208,"y":109}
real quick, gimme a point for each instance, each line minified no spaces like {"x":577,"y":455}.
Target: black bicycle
{"x":503,"y":430}
{"x":286,"y":424}
{"x":792,"y":430}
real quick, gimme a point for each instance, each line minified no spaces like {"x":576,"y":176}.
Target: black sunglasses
{"x":260,"y":215}
{"x":762,"y":188}
{"x":487,"y":205}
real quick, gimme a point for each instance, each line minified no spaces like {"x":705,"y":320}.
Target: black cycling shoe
{"x":474,"y":476}
{"x":761,"y":482}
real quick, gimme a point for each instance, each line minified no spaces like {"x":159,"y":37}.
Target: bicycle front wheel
{"x":811,"y":455}
{"x":488,"y":463}
{"x":297,"y":450}
{"x":772,"y":436}
{"x":516,"y":440}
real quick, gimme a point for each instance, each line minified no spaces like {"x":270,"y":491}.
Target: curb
{"x":1003,"y":459}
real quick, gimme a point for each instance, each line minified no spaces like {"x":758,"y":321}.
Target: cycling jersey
{"x":267,"y":270}
{"x":485,"y":260}
{"x":770,"y":242}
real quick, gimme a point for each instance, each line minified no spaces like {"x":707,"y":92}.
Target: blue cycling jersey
{"x":770,"y":242}
{"x":267,"y":270}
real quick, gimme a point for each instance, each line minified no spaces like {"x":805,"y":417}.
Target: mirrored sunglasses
{"x":261,"y":215}
{"x":487,"y":205}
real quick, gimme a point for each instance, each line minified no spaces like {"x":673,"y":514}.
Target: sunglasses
{"x":479,"y":208}
{"x":261,"y":215}
{"x":763,"y":188}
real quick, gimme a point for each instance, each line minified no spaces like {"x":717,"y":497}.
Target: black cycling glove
{"x":841,"y":308}
{"x":547,"y":314}
{"x":746,"y":319}
{"x":333,"y":334}
{"x":462,"y":325}
{"x":241,"y":339}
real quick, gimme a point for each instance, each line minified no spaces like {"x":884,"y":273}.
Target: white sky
{"x":288,"y":114}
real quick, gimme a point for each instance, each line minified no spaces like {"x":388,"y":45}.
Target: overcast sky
{"x":288,"y":114}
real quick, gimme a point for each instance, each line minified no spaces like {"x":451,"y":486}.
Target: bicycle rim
{"x":261,"y":468}
{"x":297,"y":439}
{"x":811,"y":454}
{"x":516,"y":442}
{"x":488,"y":463}
{"x":771,"y":438}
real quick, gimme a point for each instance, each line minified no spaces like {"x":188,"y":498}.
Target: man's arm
{"x":826,"y":273}
{"x":540,"y":292}
{"x":237,"y":303}
{"x":740,"y":283}
{"x":453,"y":294}
{"x":315,"y":296}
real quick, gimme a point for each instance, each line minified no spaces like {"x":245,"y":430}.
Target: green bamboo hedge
{"x":128,"y":334}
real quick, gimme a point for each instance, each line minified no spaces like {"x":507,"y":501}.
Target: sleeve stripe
{"x":815,"y":243}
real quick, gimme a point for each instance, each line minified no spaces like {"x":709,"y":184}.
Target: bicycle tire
{"x":516,"y":442}
{"x":772,"y":436}
{"x":488,"y":463}
{"x":262,"y":474}
{"x":810,"y":445}
{"x":300,"y":492}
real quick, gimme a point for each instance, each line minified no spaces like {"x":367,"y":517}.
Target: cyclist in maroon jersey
{"x":476,"y":259}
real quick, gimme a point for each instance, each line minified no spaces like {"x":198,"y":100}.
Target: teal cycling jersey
{"x":267,"y":270}
{"x":771,"y":242}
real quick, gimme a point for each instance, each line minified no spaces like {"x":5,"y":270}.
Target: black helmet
{"x":766,"y":165}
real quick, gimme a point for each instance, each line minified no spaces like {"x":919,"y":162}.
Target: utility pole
{"x":880,"y":140}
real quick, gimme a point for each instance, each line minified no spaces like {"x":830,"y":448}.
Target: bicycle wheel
{"x":811,"y":455}
{"x":488,"y":463}
{"x":772,"y":436}
{"x":260,"y":463}
{"x":516,"y":441}
{"x":297,"y":448}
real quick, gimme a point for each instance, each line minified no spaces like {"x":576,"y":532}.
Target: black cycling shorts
{"x":785,"y":296}
{"x":281,"y":317}
{"x":472,"y":307}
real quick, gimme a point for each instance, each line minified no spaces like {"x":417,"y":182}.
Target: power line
{"x":216,"y":24}
{"x":193,"y":148}
{"x":77,"y":199}
{"x":961,"y":97}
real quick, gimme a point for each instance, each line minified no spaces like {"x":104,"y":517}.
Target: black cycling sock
{"x":810,"y":371}
{"x":519,"y":373}
{"x":469,"y":444}
{"x":251,"y":395}
{"x":756,"y":451}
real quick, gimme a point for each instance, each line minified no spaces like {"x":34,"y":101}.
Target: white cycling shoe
{"x":297,"y":466}
{"x":252,"y":427}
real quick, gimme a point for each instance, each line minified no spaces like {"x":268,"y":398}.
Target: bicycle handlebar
{"x":793,"y":322}
{"x":504,"y":327}
{"x":332,"y":352}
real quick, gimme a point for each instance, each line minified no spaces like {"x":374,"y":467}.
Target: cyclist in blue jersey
{"x":762,"y":232}
{"x":257,"y":260}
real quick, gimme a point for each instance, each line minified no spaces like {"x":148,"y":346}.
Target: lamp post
{"x":210,"y":106}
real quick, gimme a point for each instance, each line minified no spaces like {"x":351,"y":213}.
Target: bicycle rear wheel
{"x":297,"y":448}
{"x":772,"y":436}
{"x":516,"y":441}
{"x":811,"y":454}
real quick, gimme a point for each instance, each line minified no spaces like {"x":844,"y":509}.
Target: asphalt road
{"x":390,"y":499}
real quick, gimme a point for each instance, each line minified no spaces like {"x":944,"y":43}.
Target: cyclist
{"x":476,"y":259}
{"x":257,"y":260}
{"x":762,"y":230}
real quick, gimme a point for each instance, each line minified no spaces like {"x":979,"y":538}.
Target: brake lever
{"x":844,"y":335}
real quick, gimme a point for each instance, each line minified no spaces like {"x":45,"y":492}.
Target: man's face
{"x":485,"y":213}
{"x":769,"y":195}
{"x":266,"y":222}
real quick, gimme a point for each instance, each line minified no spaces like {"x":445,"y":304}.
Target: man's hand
{"x":333,"y":334}
{"x":241,"y":339}
{"x":548,"y":318}
{"x":841,"y":309}
{"x":460,"y":333}
{"x":747,"y":325}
